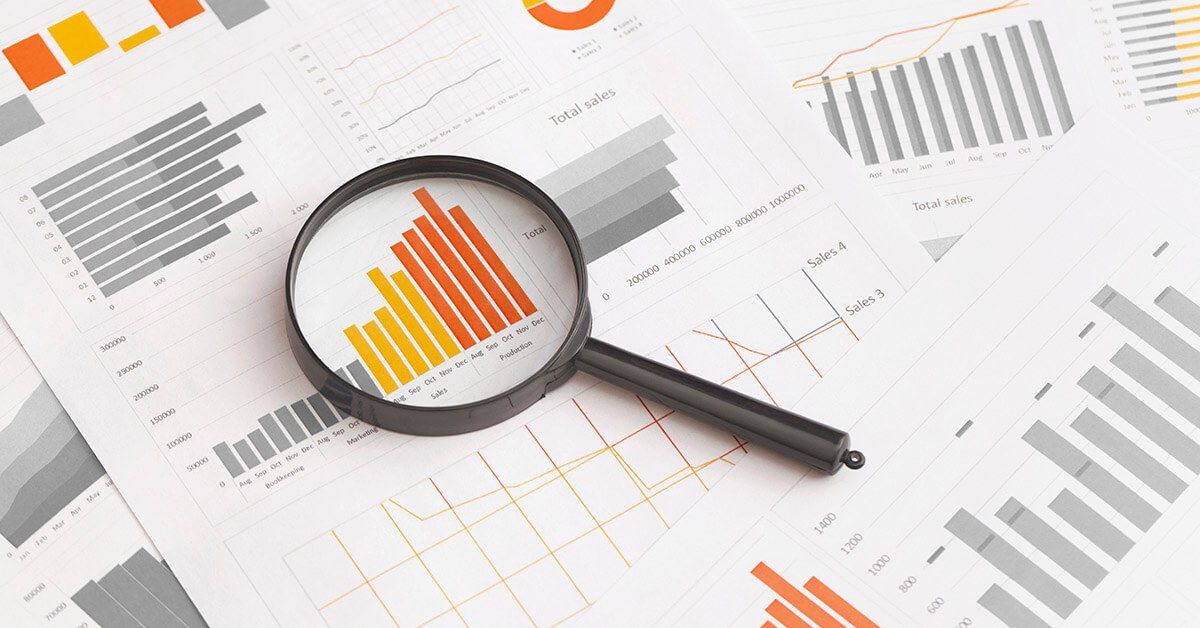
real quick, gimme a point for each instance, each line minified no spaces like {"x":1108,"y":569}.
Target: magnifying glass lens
{"x":437,"y":292}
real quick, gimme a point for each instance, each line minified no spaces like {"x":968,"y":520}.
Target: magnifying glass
{"x":441,"y":295}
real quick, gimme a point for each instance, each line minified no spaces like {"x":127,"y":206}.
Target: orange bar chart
{"x":33,"y":61}
{"x":805,"y":605}
{"x":176,"y":12}
{"x":437,"y":306}
{"x":78,"y":38}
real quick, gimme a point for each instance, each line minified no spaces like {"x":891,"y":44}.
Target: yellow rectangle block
{"x":371,"y":359}
{"x":396,"y":333}
{"x":406,"y":316}
{"x":389,"y":354}
{"x":426,"y":313}
{"x":78,"y":38}
{"x":139,"y":38}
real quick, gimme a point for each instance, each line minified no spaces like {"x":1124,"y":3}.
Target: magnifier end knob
{"x":854,"y":459}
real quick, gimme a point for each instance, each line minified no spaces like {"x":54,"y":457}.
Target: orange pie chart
{"x":568,"y":21}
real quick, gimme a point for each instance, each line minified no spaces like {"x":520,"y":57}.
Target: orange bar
{"x":410,"y":322}
{"x":396,"y":333}
{"x":460,"y":273}
{"x":785,"y":616}
{"x":431,"y":292}
{"x":468,"y":255}
{"x":176,"y":12}
{"x":452,"y":291}
{"x":34,"y":62}
{"x":767,"y":624}
{"x":493,"y":260}
{"x":839,"y":605}
{"x":388,"y":352}
{"x":785,"y":590}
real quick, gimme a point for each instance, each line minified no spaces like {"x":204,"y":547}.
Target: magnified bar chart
{"x":150,"y":200}
{"x":44,"y":465}
{"x":1161,"y":43}
{"x":1003,"y":89}
{"x":619,"y":191}
{"x":472,"y":296}
{"x":1121,"y":477}
{"x":141,"y":591}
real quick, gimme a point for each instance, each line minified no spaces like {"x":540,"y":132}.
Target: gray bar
{"x":866,"y":142}
{"x":1138,"y":321}
{"x":228,"y":459}
{"x":834,"y":115}
{"x":941,"y":132}
{"x":146,"y":252}
{"x":606,"y":157}
{"x":261,"y":445}
{"x":1126,"y":453}
{"x":1088,"y":329}
{"x":274,"y":433}
{"x":1009,"y":609}
{"x":163,"y":260}
{"x":908,"y":109}
{"x":939,"y":247}
{"x":1161,"y":248}
{"x":1052,"y":543}
{"x":360,"y":375}
{"x":1160,"y":383}
{"x":344,"y":401}
{"x":1033,"y":94}
{"x":183,"y":215}
{"x":327,"y":416}
{"x":883,"y":109}
{"x":610,"y":182}
{"x":631,"y":227}
{"x":234,"y":12}
{"x":936,"y":553}
{"x":18,"y":117}
{"x":623,"y":203}
{"x":307,"y":418}
{"x":1091,"y":524}
{"x":1008,"y":97}
{"x":1097,"y":479}
{"x":246,"y":454}
{"x":102,"y":608}
{"x":1042,"y":393}
{"x":103,"y":156}
{"x":958,"y":100}
{"x":144,"y":607}
{"x":1133,"y":16}
{"x":963,"y":430}
{"x":1142,"y":417}
{"x":1012,"y":563}
{"x":123,"y":244}
{"x":289,"y":423}
{"x":100,"y":191}
{"x":163,"y":584}
{"x":983,"y":99}
{"x":1180,"y":308}
{"x":1130,"y":3}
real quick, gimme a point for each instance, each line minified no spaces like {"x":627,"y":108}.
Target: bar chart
{"x":1095,"y":480}
{"x":620,"y":191}
{"x":792,"y":600}
{"x":290,"y":425}
{"x":150,"y":200}
{"x":141,"y":591}
{"x":472,"y":290}
{"x":1161,"y":43}
{"x":45,"y":464}
{"x":1005,"y":88}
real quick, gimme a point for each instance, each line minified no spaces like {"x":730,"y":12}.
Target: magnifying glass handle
{"x":816,"y":444}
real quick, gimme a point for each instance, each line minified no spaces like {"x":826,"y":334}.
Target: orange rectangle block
{"x":785,"y":616}
{"x":176,"y":12}
{"x":798,"y":600}
{"x":839,"y":605}
{"x":447,"y":284}
{"x":33,"y":61}
{"x":493,"y":260}
{"x":431,"y":293}
{"x":460,"y":273}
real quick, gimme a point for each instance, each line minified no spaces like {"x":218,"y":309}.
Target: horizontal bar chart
{"x":151,"y":200}
{"x":619,"y":191}
{"x":288,"y":426}
{"x":141,"y":591}
{"x":1162,"y":46}
{"x":454,"y":291}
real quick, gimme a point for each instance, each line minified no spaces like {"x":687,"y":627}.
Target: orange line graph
{"x":417,"y":67}
{"x":948,"y":23}
{"x":398,"y":41}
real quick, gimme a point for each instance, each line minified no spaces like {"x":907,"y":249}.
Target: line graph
{"x":397,"y":42}
{"x":375,"y":92}
{"x":433,"y":96}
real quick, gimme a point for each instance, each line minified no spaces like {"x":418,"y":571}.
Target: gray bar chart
{"x":151,"y":200}
{"x":1014,"y":76}
{"x":138,"y":593}
{"x":288,"y":426}
{"x":619,"y":191}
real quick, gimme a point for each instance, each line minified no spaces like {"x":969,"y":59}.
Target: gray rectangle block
{"x":1161,"y":384}
{"x":268,"y":424}
{"x":231,"y":13}
{"x":285,"y":418}
{"x":138,"y":600}
{"x":164,"y":260}
{"x":1180,"y":307}
{"x":908,"y":110}
{"x":119,"y":244}
{"x":933,"y":103}
{"x":243,"y":450}
{"x":1052,"y":543}
{"x":883,"y":110}
{"x":360,"y":375}
{"x":623,"y":203}
{"x":958,"y":100}
{"x":1154,"y":333}
{"x":1012,"y":563}
{"x":1058,"y":93}
{"x":834,"y":115}
{"x":261,"y":445}
{"x":631,"y":227}
{"x":611,"y":182}
{"x":607,"y":156}
{"x":1142,"y":417}
{"x":1009,"y":609}
{"x":1008,"y":97}
{"x":307,"y":418}
{"x":1097,"y":479}
{"x":862,"y":128}
{"x":1126,"y":453}
{"x":87,"y":224}
{"x":162,"y":582}
{"x":102,"y":608}
{"x":983,"y":99}
{"x":1033,"y":94}
{"x":322,"y":407}
{"x":18,"y":117}
{"x":225,"y":455}
{"x":1091,"y":524}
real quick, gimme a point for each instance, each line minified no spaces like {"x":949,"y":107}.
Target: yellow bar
{"x":1187,"y":8}
{"x":139,"y":38}
{"x":368,"y":355}
{"x":389,"y":354}
{"x":394,"y":330}
{"x":426,"y":313}
{"x":1191,"y":45}
{"x":78,"y":38}
{"x":1187,"y":97}
{"x":406,"y":316}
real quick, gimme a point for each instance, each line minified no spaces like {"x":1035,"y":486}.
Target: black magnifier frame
{"x":808,"y":441}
